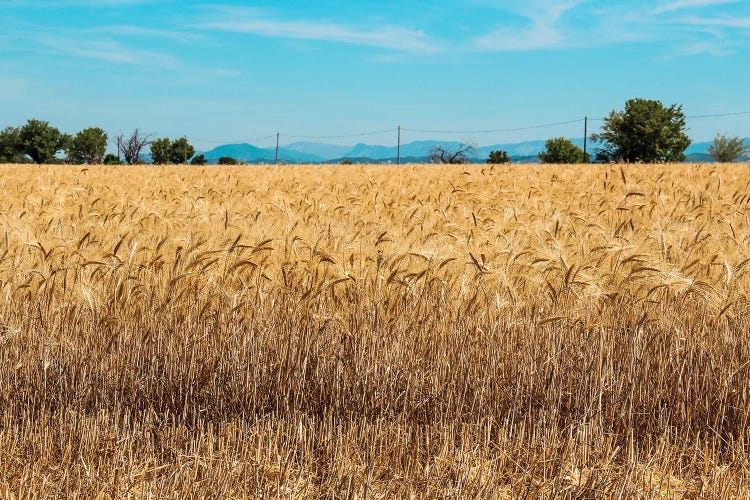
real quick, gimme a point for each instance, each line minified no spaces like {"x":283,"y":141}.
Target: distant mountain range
{"x":418,"y":151}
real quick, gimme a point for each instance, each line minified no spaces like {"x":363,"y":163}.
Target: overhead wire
{"x":426,"y":131}
{"x":344,"y":136}
{"x":719,"y":115}
{"x":580,"y":120}
{"x":210,"y":141}
{"x":693,"y":117}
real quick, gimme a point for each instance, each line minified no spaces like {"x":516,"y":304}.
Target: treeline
{"x":644,"y":131}
{"x":39,"y":142}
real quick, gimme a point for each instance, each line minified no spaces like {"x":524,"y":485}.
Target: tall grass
{"x":376,"y":332}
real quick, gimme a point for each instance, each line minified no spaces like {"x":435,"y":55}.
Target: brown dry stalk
{"x":380,"y":332}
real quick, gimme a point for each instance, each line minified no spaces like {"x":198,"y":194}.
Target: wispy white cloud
{"x":258,"y":22}
{"x":689,"y":4}
{"x":104,"y":50}
{"x":543,"y":28}
{"x":569,"y":24}
{"x":182,"y":36}
{"x":702,"y":47}
{"x":63,"y":4}
{"x":536,"y":36}
{"x":721,"y":22}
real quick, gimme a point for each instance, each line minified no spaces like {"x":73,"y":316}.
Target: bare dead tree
{"x":130,"y":147}
{"x":441,"y":154}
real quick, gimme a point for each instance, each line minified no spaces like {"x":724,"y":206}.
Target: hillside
{"x":416,"y":151}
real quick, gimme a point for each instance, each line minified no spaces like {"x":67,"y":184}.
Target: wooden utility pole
{"x":398,"y":157}
{"x":184,"y":149}
{"x":585,"y":138}
{"x":277,"y":148}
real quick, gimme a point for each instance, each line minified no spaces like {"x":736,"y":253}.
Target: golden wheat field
{"x":375,"y":332}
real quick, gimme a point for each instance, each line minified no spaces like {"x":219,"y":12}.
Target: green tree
{"x":165,"y":151}
{"x":88,"y":146}
{"x":497,"y":157}
{"x":199,"y":160}
{"x":644,"y":131}
{"x":728,"y":149}
{"x":227,"y":160}
{"x":161,"y":151}
{"x":111,"y":159}
{"x":561,"y":150}
{"x":42,"y":142}
{"x":181,"y":151}
{"x":11,"y":150}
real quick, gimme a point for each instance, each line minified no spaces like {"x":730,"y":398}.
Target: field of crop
{"x":469,"y":331}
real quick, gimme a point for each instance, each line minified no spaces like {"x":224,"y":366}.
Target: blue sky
{"x":239,"y":71}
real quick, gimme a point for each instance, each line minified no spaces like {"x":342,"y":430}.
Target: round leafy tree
{"x":181,"y":151}
{"x":561,"y":150}
{"x":498,"y":157}
{"x":227,"y":160}
{"x":41,"y":141}
{"x":87,"y":146}
{"x":728,"y":149}
{"x":199,"y":160}
{"x":644,"y":131}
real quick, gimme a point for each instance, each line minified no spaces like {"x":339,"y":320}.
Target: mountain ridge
{"x":418,"y":151}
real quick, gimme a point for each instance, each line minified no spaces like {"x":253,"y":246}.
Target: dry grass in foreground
{"x":477,"y":331}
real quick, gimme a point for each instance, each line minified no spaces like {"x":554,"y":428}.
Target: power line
{"x":580,"y":120}
{"x":694,"y":117}
{"x":423,"y":131}
{"x":362,"y":134}
{"x":210,"y":141}
{"x":719,"y":115}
